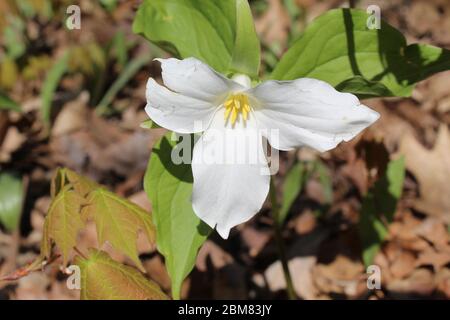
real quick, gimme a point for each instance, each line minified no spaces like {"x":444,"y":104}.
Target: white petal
{"x":231,"y":180}
{"x":175,"y":111}
{"x":195,"y":79}
{"x":309,"y":112}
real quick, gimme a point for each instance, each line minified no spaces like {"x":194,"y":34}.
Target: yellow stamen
{"x":235,"y":105}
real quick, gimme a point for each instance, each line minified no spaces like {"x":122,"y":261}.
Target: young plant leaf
{"x":180,"y":233}
{"x":50,"y":84}
{"x":220,"y":33}
{"x":325,"y":180}
{"x":102,"y":278}
{"x":338,"y":46}
{"x":63,"y":223}
{"x":129,"y":71}
{"x":379,"y":206}
{"x":292,"y":187}
{"x":118,"y":221}
{"x":7,"y":104}
{"x":11,"y":200}
{"x":80,"y":184}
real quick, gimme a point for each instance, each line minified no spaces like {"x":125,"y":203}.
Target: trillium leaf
{"x":364,"y":88}
{"x":149,"y":124}
{"x":118,"y":221}
{"x":246,"y":54}
{"x":11,"y":200}
{"x":220,"y":33}
{"x":102,"y":278}
{"x":338,"y":47}
{"x":180,"y":233}
{"x":62,"y":223}
{"x":379,"y":205}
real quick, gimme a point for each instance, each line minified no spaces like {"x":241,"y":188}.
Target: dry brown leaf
{"x":420,"y":282}
{"x":340,"y":276}
{"x":219,"y":258}
{"x":301,"y":272}
{"x":432,"y":170}
{"x":255,"y":239}
{"x":73,"y":116}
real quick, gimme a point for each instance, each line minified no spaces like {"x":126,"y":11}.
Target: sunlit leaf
{"x":118,"y":221}
{"x":149,"y":124}
{"x":11,"y":200}
{"x":379,"y":206}
{"x":63,"y":223}
{"x":79,"y":183}
{"x":180,"y":233}
{"x":338,"y":46}
{"x":105,"y":279}
{"x":246,"y":54}
{"x":220,"y":33}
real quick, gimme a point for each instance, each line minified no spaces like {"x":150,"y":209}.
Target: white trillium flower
{"x":195,"y":98}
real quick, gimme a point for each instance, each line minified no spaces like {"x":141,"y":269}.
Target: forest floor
{"x":321,"y":234}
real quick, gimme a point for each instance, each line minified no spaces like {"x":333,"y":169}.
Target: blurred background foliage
{"x":75,"y":98}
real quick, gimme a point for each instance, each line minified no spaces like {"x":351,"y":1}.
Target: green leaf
{"x":63,"y":223}
{"x":220,"y":33}
{"x":292,"y":187}
{"x":11,"y":200}
{"x":119,"y":45}
{"x":180,"y":233}
{"x":7,"y":104}
{"x":149,"y":124}
{"x":50,"y":84}
{"x":102,"y":278}
{"x":14,"y":37}
{"x":325,"y":181}
{"x":110,"y":5}
{"x":364,"y":88}
{"x":338,"y":46}
{"x":118,"y":221}
{"x":129,"y":72}
{"x":379,"y":205}
{"x":247,"y":52}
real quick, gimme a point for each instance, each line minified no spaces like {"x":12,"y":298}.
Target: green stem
{"x":280,"y":243}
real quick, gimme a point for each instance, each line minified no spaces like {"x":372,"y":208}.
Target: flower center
{"x":237,"y":105}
